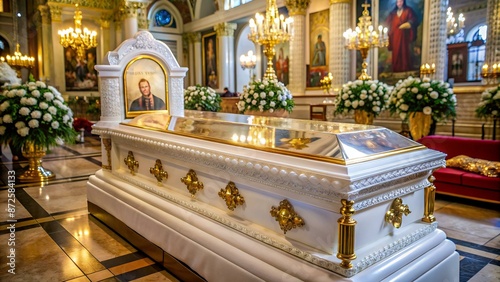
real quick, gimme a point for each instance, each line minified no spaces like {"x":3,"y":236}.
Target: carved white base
{"x":222,"y":247}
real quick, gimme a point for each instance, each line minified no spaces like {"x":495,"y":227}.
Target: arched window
{"x":477,"y":52}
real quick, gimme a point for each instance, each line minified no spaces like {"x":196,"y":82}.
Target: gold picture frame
{"x":318,"y":47}
{"x":141,"y":72}
{"x":210,"y":67}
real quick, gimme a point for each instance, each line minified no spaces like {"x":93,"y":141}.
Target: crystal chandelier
{"x":248,"y":62}
{"x":365,"y":37}
{"x":452,"y":25}
{"x":78,"y":39}
{"x":18,"y":60}
{"x":269,"y":30}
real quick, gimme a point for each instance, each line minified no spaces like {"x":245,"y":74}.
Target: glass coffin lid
{"x":341,"y":143}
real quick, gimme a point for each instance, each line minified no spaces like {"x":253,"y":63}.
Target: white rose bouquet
{"x":489,"y":106}
{"x":265,"y":96}
{"x":371,"y":96}
{"x":33,"y":112}
{"x":201,"y":98}
{"x":432,"y":97}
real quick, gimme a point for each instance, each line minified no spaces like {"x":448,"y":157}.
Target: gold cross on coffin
{"x":158,"y":172}
{"x":192,"y":183}
{"x":131,"y":163}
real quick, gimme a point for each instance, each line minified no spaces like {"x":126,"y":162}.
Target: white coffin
{"x":328,"y":172}
{"x":371,"y":166}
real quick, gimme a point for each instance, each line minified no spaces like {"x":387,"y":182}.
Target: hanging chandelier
{"x":365,"y":37}
{"x":19,"y":60}
{"x":453,"y":26}
{"x":78,"y":39}
{"x":269,"y":30}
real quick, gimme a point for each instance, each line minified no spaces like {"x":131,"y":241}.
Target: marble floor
{"x":56,"y":239}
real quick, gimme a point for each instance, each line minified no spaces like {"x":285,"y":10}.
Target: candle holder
{"x":491,"y":74}
{"x":248,"y":61}
{"x":426,"y":70}
{"x":326,"y":85}
{"x":364,"y":37}
{"x":269,"y":30}
{"x":19,"y":61}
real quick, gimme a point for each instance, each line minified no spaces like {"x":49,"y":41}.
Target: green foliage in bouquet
{"x":201,"y":98}
{"x":489,"y":106}
{"x":432,"y":97}
{"x":33,"y":112}
{"x":266,"y":95}
{"x":371,"y":96}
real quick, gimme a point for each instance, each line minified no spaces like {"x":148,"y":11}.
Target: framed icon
{"x":145,"y":86}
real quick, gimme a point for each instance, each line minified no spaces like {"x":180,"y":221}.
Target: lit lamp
{"x":326,"y":85}
{"x":18,"y":60}
{"x":78,"y":39}
{"x":248,"y":62}
{"x":490,"y":73}
{"x":452,"y":25}
{"x":269,"y":30}
{"x":365,"y":37}
{"x":427,"y":69}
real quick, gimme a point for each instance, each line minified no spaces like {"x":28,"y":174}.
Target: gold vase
{"x":363,"y":117}
{"x":35,"y":173}
{"x":420,"y":125}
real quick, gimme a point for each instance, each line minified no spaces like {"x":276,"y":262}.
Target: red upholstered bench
{"x":461,"y":183}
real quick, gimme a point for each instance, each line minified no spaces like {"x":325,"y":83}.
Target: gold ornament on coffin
{"x":286,"y":216}
{"x":35,"y":173}
{"x":232,"y":196}
{"x":429,"y":200}
{"x":420,"y":125}
{"x":395,"y":214}
{"x":192,"y":183}
{"x":131,"y":163}
{"x":347,"y":230}
{"x":158,"y":172}
{"x":363,"y":117}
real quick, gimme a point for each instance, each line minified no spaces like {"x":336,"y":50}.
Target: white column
{"x":142,"y":17}
{"x":437,"y":38}
{"x":55,"y":57}
{"x":198,"y":71}
{"x":225,"y":54}
{"x":297,"y":69}
{"x":340,"y":15}
{"x":493,"y":38}
{"x":104,"y":35}
{"x":45,"y":54}
{"x":130,"y":20}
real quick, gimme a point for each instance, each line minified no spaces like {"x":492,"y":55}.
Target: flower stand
{"x":36,"y":172}
{"x":420,"y":125}
{"x":363,"y":117}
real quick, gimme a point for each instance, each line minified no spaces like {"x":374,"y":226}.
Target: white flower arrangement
{"x":371,"y":96}
{"x":201,"y":98}
{"x":432,"y":97}
{"x":489,"y":106}
{"x":265,"y":96}
{"x":33,"y":112}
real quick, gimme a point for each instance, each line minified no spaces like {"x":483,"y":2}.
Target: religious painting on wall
{"x":210,"y":73}
{"x":145,"y":86}
{"x":80,"y":74}
{"x":281,"y":62}
{"x":319,"y":42}
{"x":402,"y":58}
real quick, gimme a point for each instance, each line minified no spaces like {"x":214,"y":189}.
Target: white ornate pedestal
{"x":249,"y":198}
